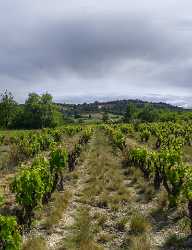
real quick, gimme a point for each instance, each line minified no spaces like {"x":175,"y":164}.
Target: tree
{"x":148,"y":114}
{"x":41,"y":112}
{"x":129,"y":115}
{"x":105,"y":117}
{"x":46,"y":110}
{"x":7,"y":109}
{"x":32,"y":111}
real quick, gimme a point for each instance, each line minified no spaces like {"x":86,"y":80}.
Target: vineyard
{"x":106,"y":186}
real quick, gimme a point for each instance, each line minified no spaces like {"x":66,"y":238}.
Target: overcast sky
{"x":96,"y":47}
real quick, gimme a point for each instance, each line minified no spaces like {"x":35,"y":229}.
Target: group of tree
{"x":38,"y":111}
{"x":150,"y":113}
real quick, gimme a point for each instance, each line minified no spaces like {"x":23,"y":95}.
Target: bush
{"x":10,"y":238}
{"x":31,"y":186}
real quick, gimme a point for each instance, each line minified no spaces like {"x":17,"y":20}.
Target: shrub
{"x":10,"y":238}
{"x":58,"y":162}
{"x":31,"y":185}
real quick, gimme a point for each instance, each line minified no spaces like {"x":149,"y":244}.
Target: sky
{"x":97,"y":48}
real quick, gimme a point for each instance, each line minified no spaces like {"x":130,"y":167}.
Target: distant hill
{"x":115,"y":107}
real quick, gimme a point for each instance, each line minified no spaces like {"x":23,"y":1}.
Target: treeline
{"x":116,"y":107}
{"x":152,"y":113}
{"x":130,"y":110}
{"x":38,"y":111}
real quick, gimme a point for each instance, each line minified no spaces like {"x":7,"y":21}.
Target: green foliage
{"x":130,"y":112}
{"x":31,"y":185}
{"x":148,"y":114}
{"x":117,"y":136}
{"x":58,"y":159}
{"x":7,"y":109}
{"x":58,"y":163}
{"x":1,"y":200}
{"x":85,"y":136}
{"x":105,"y":117}
{"x":40,"y":112}
{"x":10,"y":238}
{"x":43,"y":166}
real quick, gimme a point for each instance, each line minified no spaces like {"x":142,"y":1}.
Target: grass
{"x":103,"y":200}
{"x":103,"y":193}
{"x":137,"y":176}
{"x":174,"y":242}
{"x":139,"y":224}
{"x":149,"y":193}
{"x":104,"y":186}
{"x":35,"y":243}
{"x":101,"y":219}
{"x":61,"y":201}
{"x":140,"y":243}
{"x":146,"y":190}
{"x":162,"y":201}
{"x":82,"y":232}
{"x":121,"y":224}
{"x":104,"y":238}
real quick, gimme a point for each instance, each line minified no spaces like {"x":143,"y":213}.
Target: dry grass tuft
{"x":101,"y":219}
{"x":121,"y":224}
{"x":174,"y":242}
{"x":162,"y":201}
{"x":139,"y":224}
{"x":140,"y":243}
{"x":82,"y":233}
{"x":35,"y":243}
{"x":104,"y":238}
{"x":61,"y":201}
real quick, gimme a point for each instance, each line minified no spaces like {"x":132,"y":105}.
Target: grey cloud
{"x":86,"y":46}
{"x":129,"y":45}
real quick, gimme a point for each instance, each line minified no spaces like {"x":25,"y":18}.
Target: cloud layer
{"x":73,"y":48}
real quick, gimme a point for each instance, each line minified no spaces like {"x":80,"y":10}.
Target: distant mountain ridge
{"x":118,"y":106}
{"x":179,"y":101}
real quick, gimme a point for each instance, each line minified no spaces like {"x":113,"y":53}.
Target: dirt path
{"x":101,"y":199}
